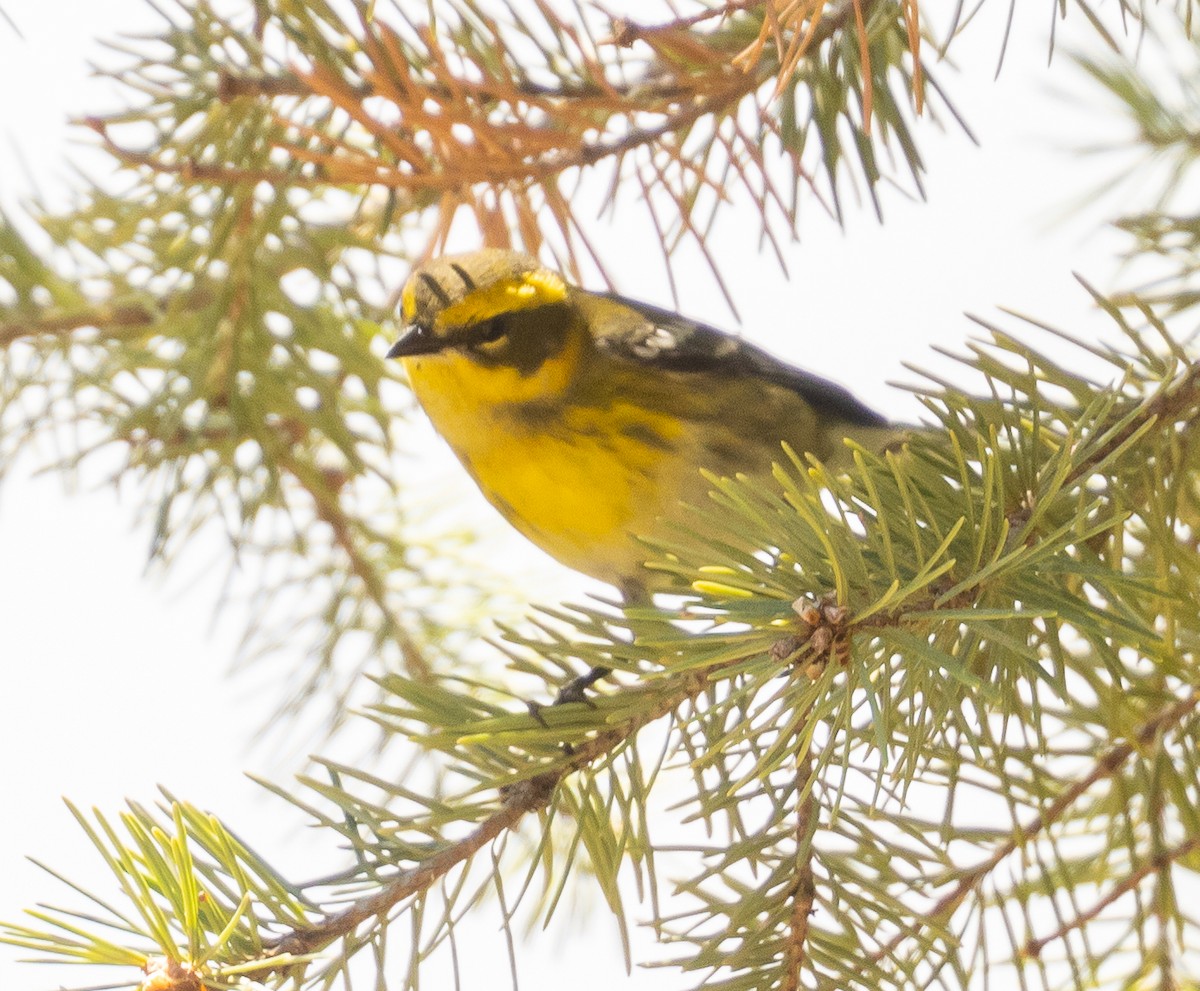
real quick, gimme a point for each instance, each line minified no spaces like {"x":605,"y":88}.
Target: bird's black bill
{"x":416,"y":340}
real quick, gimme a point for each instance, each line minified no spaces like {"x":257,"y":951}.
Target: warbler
{"x":585,"y":418}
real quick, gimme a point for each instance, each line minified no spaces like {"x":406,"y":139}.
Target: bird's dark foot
{"x":576,"y":691}
{"x":535,"y":710}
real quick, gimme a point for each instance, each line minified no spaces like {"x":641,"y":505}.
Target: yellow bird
{"x":585,"y":418}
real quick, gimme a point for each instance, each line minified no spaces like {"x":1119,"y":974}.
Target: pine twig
{"x":804,"y":893}
{"x":103,"y":316}
{"x":1105,"y":767}
{"x":329,"y":510}
{"x":519,"y":800}
{"x":1034,"y":947}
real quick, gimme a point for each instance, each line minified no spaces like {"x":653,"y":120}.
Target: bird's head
{"x":498,"y":309}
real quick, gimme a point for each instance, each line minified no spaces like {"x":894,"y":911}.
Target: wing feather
{"x":666,"y":340}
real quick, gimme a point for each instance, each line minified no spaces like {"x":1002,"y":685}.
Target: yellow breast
{"x":577,"y":479}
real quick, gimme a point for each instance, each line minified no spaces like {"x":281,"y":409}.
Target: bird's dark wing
{"x":666,"y":340}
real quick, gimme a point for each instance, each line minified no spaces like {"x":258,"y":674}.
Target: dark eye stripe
{"x":462,"y":274}
{"x":434,"y":288}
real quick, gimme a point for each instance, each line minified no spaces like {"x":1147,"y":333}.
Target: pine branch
{"x":207,"y":384}
{"x":324,"y":490}
{"x":108,"y":318}
{"x":500,"y":135}
{"x":627,"y":31}
{"x":805,"y":893}
{"x":520,"y":799}
{"x":645,"y":95}
{"x":189,"y":170}
{"x":926,"y":551}
{"x":1106,"y":766}
{"x":1034,"y":947}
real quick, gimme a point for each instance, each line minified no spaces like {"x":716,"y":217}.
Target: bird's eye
{"x":489,"y":332}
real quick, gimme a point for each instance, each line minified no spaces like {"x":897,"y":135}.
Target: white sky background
{"x":114,"y":682}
